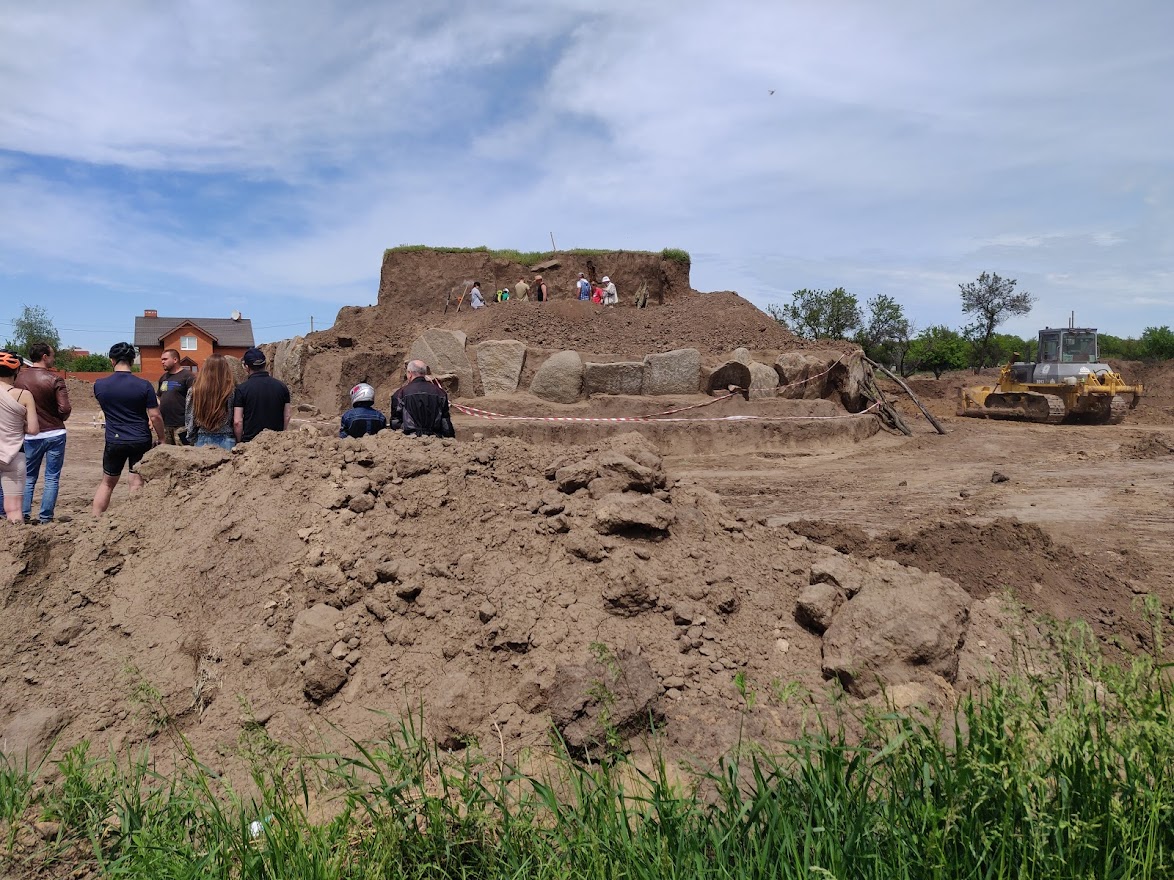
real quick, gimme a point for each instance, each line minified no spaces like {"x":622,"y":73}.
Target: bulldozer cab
{"x":1068,"y":346}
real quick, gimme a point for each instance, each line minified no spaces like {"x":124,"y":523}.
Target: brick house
{"x":193,"y":338}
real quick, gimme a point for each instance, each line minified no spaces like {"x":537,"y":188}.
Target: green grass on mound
{"x":527,"y":258}
{"x":1067,"y":776}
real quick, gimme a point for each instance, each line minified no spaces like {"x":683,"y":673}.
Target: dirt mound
{"x":1010,"y":556}
{"x":1149,"y":447}
{"x":303,"y":580}
{"x":416,"y":285}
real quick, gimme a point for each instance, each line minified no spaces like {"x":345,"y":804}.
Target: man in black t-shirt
{"x":260,"y":402}
{"x":173,"y":394}
{"x":132,"y":415}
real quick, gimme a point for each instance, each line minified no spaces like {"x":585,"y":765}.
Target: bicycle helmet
{"x":9,"y":363}
{"x":362,"y":393}
{"x":122,"y":353}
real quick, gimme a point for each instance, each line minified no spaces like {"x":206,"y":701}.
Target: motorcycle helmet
{"x":362,"y":393}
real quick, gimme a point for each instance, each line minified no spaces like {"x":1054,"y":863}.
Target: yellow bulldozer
{"x":1065,"y":383}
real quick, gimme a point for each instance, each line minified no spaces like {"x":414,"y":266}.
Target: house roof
{"x":225,"y":331}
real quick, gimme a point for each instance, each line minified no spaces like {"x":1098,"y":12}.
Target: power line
{"x":124,"y":329}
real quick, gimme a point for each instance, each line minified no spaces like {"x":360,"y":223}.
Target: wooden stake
{"x":925,"y":412}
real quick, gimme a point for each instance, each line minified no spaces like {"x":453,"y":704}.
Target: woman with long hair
{"x":18,"y":416}
{"x":209,"y":405}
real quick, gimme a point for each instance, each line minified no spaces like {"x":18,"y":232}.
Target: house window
{"x":187,"y":343}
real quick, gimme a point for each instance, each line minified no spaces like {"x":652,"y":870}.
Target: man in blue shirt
{"x":584,"y":287}
{"x":132,"y":412}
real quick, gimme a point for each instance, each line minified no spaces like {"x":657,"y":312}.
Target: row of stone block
{"x":564,"y":377}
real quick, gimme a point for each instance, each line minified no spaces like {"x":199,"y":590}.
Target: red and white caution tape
{"x":494,"y":416}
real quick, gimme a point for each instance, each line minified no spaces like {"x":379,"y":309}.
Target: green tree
{"x":938,"y":348}
{"x":1005,"y":347}
{"x":990,"y":301}
{"x":91,"y":363}
{"x":886,"y":332}
{"x":33,"y":325}
{"x":1157,"y":343}
{"x":1120,"y":348}
{"x":819,"y":314}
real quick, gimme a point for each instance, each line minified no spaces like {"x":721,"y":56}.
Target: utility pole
{"x":311,"y":323}
{"x":553,"y":246}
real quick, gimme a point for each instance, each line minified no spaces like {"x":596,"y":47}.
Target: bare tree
{"x":990,"y":301}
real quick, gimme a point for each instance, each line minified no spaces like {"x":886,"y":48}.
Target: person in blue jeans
{"x":47,"y":446}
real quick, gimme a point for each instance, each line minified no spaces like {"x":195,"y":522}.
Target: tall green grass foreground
{"x":1069,"y":777}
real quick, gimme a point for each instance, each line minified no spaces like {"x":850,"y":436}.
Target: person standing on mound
{"x":132,"y":412}
{"x":48,"y":446}
{"x":18,"y":416}
{"x":260,"y":402}
{"x":208,"y":406}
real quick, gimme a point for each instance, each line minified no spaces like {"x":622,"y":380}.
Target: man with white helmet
{"x":362,"y":418}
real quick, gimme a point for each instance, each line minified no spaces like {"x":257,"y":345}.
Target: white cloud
{"x":277,"y":149}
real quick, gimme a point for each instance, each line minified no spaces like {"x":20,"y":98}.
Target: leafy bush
{"x":938,"y":349}
{"x":1157,"y":343}
{"x":677,"y":255}
{"x":91,"y":363}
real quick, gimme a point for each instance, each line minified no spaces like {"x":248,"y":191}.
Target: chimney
{"x":150,"y":313}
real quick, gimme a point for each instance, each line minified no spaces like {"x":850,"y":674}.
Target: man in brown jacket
{"x":53,"y":408}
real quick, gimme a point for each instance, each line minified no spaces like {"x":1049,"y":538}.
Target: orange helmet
{"x":9,"y":360}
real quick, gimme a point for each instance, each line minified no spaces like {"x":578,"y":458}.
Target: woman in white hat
{"x":610,"y":296}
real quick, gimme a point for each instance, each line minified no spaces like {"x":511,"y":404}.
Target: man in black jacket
{"x":420,"y":407}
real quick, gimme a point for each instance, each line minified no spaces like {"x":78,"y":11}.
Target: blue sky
{"x":203,"y":156}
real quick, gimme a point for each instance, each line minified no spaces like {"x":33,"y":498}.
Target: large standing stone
{"x":809,"y":375}
{"x":286,"y":359}
{"x":742,"y":356}
{"x":500,"y":363}
{"x":560,"y":378}
{"x":803,"y":375}
{"x":444,"y":352}
{"x":764,"y":381}
{"x":673,"y":372}
{"x":903,"y":624}
{"x":730,"y":374}
{"x":623,"y":377}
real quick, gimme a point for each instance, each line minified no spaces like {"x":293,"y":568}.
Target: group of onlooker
{"x":419,"y":408}
{"x":207,"y":408}
{"x":603,"y":293}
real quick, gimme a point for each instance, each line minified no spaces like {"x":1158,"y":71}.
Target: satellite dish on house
{"x":236,"y":316}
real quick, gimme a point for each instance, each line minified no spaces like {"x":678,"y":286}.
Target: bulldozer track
{"x":1117,"y":410}
{"x":1056,"y":410}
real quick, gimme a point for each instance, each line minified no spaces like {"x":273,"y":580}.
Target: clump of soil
{"x":1148,"y":447}
{"x":1006,"y":555}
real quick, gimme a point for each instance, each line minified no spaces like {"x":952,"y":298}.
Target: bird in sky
{"x":771,"y":91}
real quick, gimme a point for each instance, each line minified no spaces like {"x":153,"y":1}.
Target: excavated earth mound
{"x":1008,"y":556}
{"x":420,"y":289}
{"x":302,"y":582}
